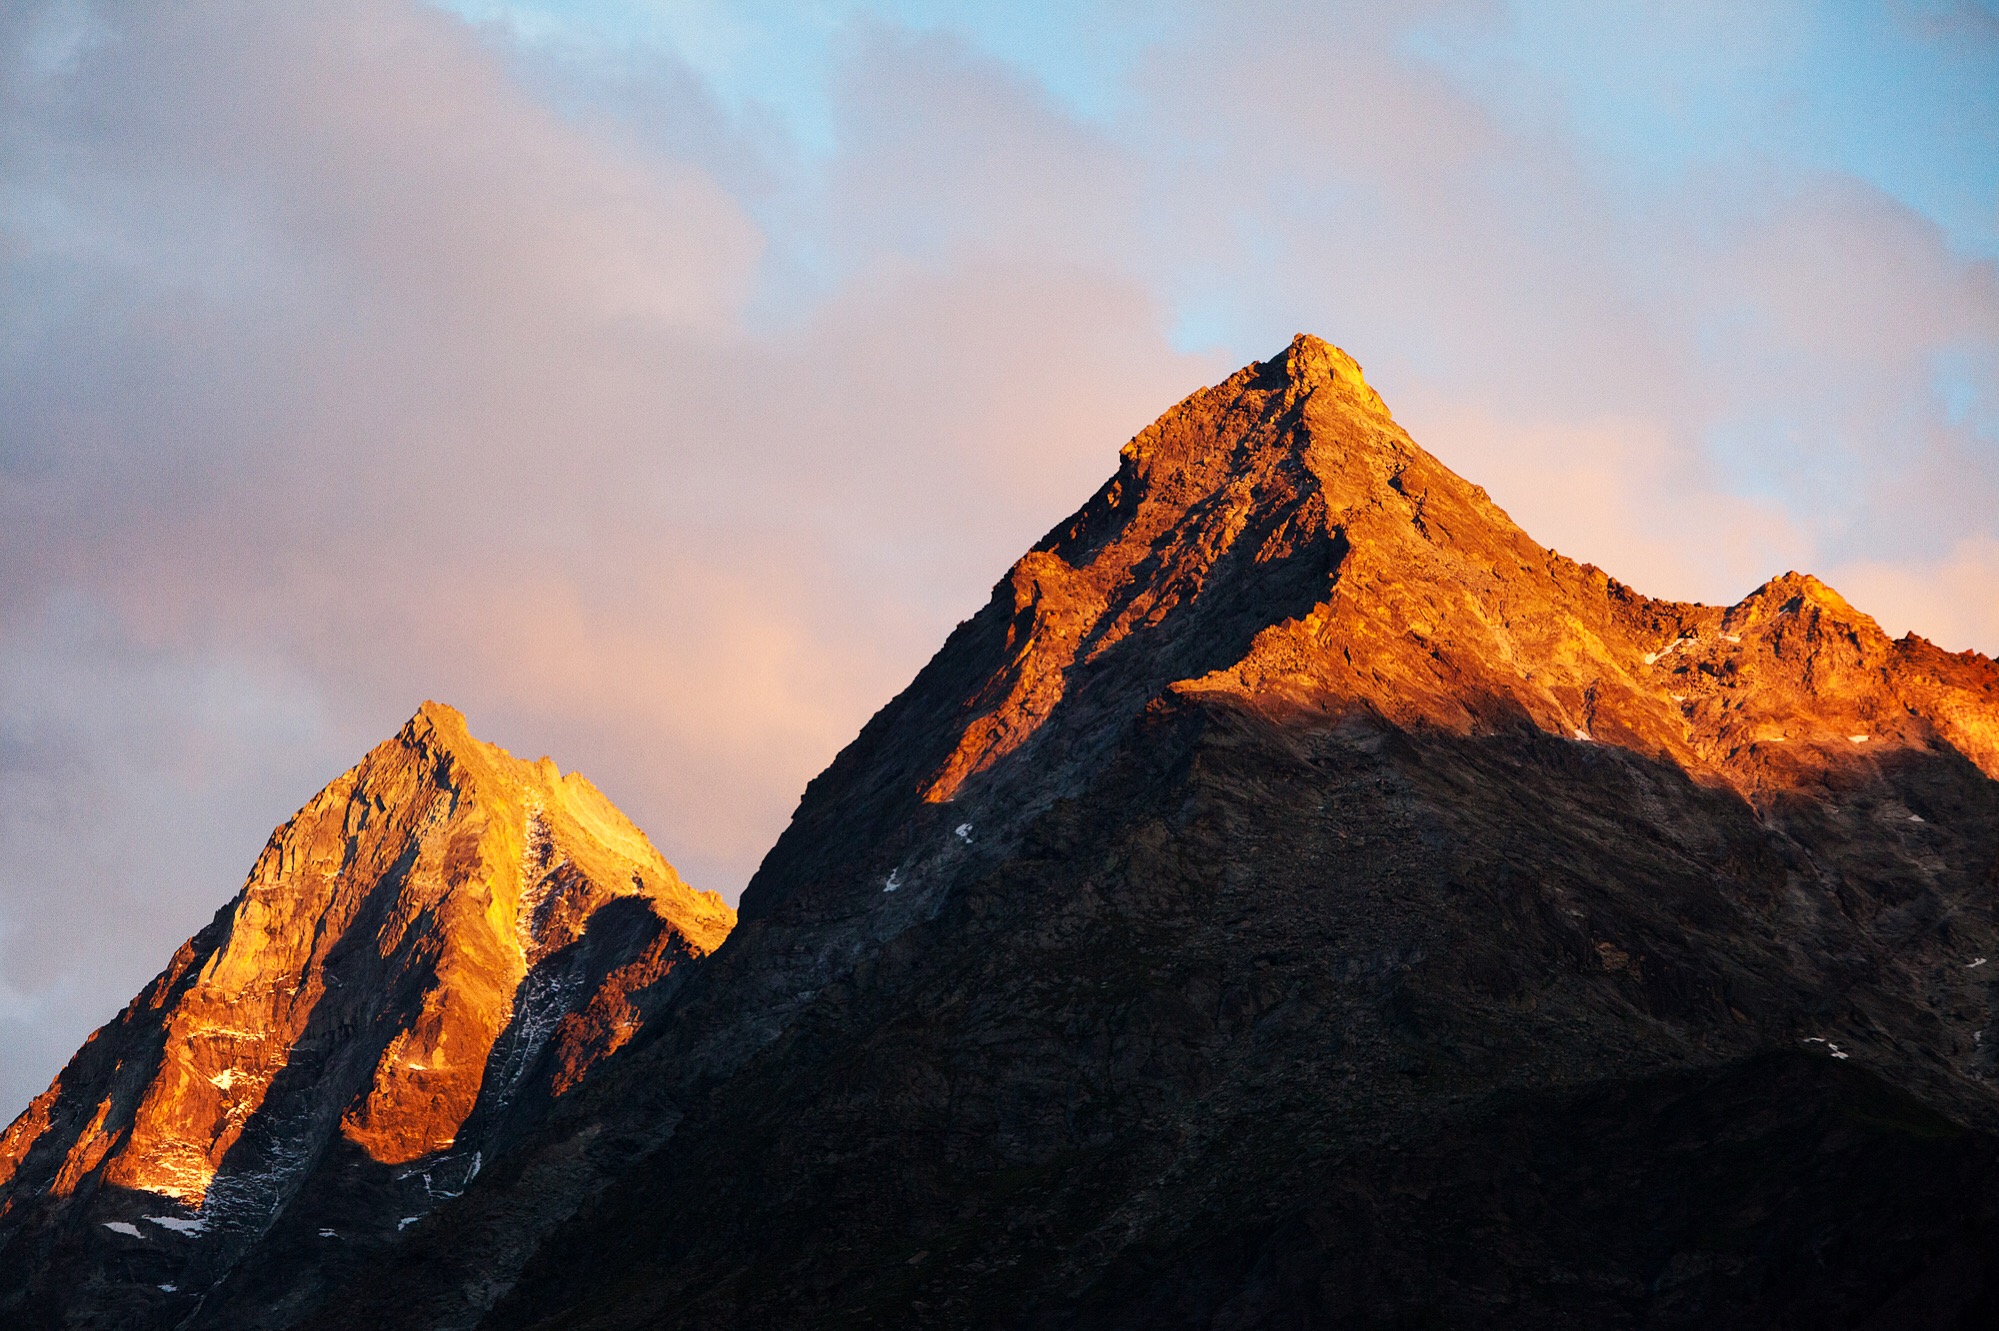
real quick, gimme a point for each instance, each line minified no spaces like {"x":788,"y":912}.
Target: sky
{"x":659,"y":382}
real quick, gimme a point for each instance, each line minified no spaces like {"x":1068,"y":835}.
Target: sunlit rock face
{"x":1295,"y":899}
{"x":443,"y":929}
{"x":1282,"y":538}
{"x":1298,"y":898}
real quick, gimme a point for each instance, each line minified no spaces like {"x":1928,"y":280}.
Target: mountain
{"x":1296,"y":899}
{"x":443,"y":942}
{"x":1299,"y":899}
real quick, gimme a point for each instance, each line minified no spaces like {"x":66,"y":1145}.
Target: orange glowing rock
{"x":1281,"y":618}
{"x":377,"y":953}
{"x":1404,"y":590}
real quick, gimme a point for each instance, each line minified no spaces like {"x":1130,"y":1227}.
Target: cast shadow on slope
{"x":351,"y":1207}
{"x":295,"y":1206}
{"x":864,"y":808}
{"x":1787,"y":1190}
{"x":1260,"y":966}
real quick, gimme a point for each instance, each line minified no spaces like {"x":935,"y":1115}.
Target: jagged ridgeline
{"x":1297,"y":898}
{"x":1317,"y":904}
{"x":440,"y":944}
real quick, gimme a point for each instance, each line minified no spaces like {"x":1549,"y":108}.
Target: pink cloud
{"x":1953,"y":601}
{"x":344,"y":369}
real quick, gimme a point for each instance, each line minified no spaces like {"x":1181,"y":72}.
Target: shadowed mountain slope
{"x":1297,"y":899}
{"x":441,"y":942}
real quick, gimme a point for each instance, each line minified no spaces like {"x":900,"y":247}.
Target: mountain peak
{"x":1312,"y":361}
{"x":1241,"y":510}
{"x":1279,"y":540}
{"x":441,"y":729}
{"x":1306,"y":393}
{"x":597,"y":827}
{"x":1794,"y":590}
{"x":442,"y":935}
{"x":440,"y":719}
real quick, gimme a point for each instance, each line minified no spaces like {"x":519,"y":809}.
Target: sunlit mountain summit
{"x":444,"y":940}
{"x":1296,"y":898}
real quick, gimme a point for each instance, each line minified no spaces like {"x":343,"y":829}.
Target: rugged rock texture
{"x":1299,"y":900}
{"x":444,"y":940}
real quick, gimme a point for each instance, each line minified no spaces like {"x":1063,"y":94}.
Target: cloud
{"x":1622,"y":493}
{"x":1953,"y":600}
{"x":350,"y":374}
{"x":351,"y":354}
{"x":1744,"y":344}
{"x":136,"y":784}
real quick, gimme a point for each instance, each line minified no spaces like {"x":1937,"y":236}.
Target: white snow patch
{"x":171,"y":1289}
{"x":1830,"y":1047}
{"x":329,"y":1233}
{"x":539,"y":1005}
{"x":406,"y":1222}
{"x":1858,"y":739}
{"x":1653,"y":658}
{"x":1582,"y":735}
{"x":123,"y":1227}
{"x":178,"y":1225}
{"x":1915,"y":818}
{"x":1731,"y":637}
{"x":963,"y":832}
{"x":1976,"y":964}
{"x":893,"y":881}
{"x":224,"y":1079}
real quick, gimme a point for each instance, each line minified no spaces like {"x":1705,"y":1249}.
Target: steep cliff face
{"x":440,"y":942}
{"x":1297,"y":898}
{"x":1280,"y":541}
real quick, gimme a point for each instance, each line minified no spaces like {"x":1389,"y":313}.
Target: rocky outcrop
{"x":440,"y":943}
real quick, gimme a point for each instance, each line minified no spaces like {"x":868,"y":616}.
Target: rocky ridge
{"x":1299,"y":898}
{"x":440,"y":943}
{"x":1280,"y":542}
{"x":1293,"y":860}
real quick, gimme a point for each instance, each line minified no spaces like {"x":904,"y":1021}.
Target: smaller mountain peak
{"x":396,"y":926}
{"x":1800,"y":595}
{"x":1801,"y":589}
{"x":440,"y":728}
{"x":441,"y":722}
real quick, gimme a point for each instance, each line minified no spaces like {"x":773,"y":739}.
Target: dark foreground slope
{"x":1298,"y":899}
{"x":1321,"y":1025}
